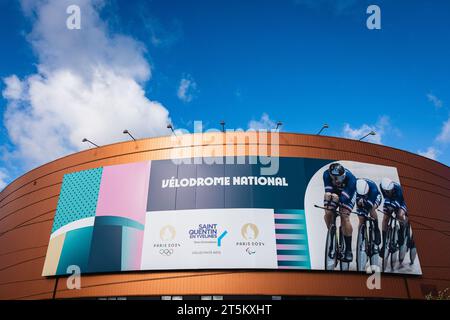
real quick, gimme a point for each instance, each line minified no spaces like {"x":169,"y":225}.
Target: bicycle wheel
{"x":336,"y":249}
{"x":394,"y":247}
{"x":344,"y":265}
{"x":412,"y":251}
{"x":402,"y":252}
{"x":373,"y":248}
{"x":412,"y":255}
{"x":330,"y":249}
{"x":386,"y":245}
{"x":375,"y":260}
{"x":361,"y":252}
{"x":405,"y":246}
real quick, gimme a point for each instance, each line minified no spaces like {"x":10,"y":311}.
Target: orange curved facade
{"x":28,"y":205}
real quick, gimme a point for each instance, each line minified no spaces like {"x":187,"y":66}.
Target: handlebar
{"x":392,"y":215}
{"x":337,"y":212}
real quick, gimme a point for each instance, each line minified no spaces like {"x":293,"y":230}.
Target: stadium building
{"x":141,"y":222}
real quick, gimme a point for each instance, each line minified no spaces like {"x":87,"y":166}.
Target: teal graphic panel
{"x":78,"y":198}
{"x":76,"y":249}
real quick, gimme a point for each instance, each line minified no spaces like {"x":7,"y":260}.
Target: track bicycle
{"x":392,"y":249}
{"x":366,"y":248}
{"x":335,"y":244}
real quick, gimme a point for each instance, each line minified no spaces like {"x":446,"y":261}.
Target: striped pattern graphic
{"x":291,"y":239}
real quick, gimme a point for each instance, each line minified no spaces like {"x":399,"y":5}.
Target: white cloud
{"x":82,"y":51}
{"x":3,"y":178}
{"x":380,"y":128}
{"x":431,"y":153}
{"x":14,"y":88}
{"x":62,"y":109}
{"x":435,"y":100}
{"x":439,"y":145}
{"x":186,"y":89}
{"x":265,"y":123}
{"x":444,"y":135}
{"x":88,"y":84}
{"x":442,"y":138}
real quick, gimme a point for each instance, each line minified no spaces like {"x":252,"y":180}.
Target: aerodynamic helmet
{"x":337,"y":172}
{"x":362,"y":187}
{"x":387,"y":184}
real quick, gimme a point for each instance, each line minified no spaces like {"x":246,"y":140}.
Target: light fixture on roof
{"x":325,"y":126}
{"x":128,"y":133}
{"x":279,"y":124}
{"x":170,"y":126}
{"x":89,"y":141}
{"x":371,"y":133}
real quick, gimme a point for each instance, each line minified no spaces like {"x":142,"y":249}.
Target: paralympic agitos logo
{"x":250,"y":233}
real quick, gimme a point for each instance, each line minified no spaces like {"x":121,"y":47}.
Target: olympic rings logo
{"x":166,"y":252}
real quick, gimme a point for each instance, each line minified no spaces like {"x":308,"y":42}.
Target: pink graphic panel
{"x":132,"y":241}
{"x":124,"y":190}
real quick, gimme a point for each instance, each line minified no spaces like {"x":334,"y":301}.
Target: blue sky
{"x":250,"y":63}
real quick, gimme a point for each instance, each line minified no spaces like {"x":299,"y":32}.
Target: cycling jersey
{"x":371,"y":199}
{"x":396,"y":200}
{"x":346,"y":191}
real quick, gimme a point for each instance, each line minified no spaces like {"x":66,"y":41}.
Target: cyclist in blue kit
{"x":393,"y":203}
{"x":340,"y":194}
{"x":368,"y":199}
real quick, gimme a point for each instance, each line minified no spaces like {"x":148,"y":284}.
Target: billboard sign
{"x":161,"y":215}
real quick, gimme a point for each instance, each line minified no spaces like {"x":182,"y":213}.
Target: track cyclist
{"x":340,"y":194}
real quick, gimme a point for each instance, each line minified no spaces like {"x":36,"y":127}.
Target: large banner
{"x":161,"y":215}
